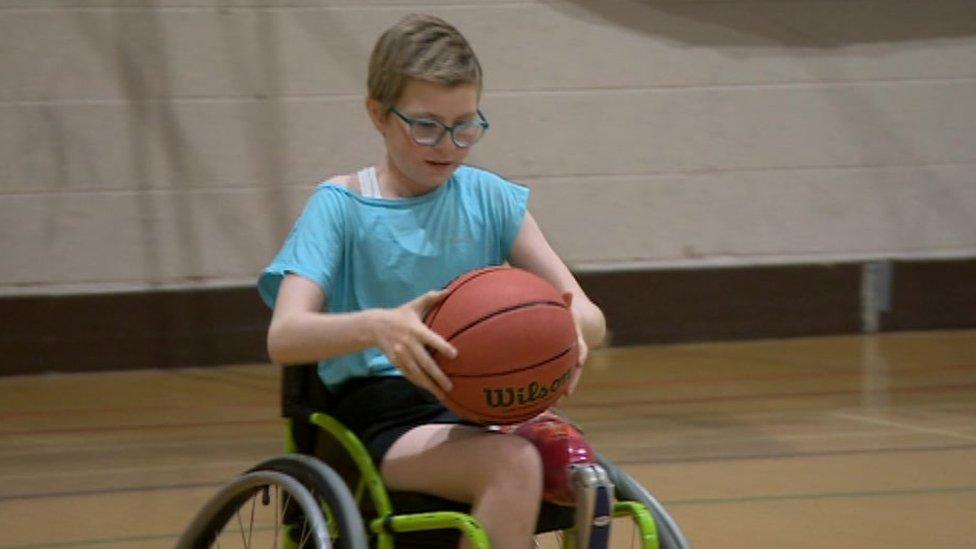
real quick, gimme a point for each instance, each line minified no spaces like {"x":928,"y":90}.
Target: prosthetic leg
{"x":594,"y":497}
{"x":572,"y":476}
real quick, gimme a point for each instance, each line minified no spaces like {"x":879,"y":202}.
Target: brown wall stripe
{"x":167,"y":329}
{"x":929,"y":295}
{"x":717,"y":304}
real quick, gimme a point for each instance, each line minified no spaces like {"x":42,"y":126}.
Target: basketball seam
{"x":430,"y":320}
{"x":501,"y":312}
{"x":524,"y":368}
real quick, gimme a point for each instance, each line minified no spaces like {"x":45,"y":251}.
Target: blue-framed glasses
{"x":429,"y":132}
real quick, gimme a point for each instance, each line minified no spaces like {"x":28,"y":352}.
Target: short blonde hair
{"x":422,"y":47}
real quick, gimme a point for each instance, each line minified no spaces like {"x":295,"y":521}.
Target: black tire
{"x":347,"y":530}
{"x":628,"y":489}
{"x":211,"y":521}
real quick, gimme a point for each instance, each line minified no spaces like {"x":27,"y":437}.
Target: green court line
{"x":822,"y":495}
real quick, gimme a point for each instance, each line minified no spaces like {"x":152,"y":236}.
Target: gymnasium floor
{"x":837,"y":442}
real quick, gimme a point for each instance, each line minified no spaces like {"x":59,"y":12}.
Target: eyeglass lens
{"x":429,"y":132}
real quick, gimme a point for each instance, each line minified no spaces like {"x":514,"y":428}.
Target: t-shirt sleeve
{"x":313,"y":248}
{"x":509,"y":204}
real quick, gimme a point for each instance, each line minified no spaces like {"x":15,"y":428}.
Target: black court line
{"x":111,"y":491}
{"x":790,"y":455}
{"x":221,"y":378}
{"x":926,"y":491}
{"x":771,"y":376}
{"x":919,"y":389}
{"x":140,"y":427}
{"x":796,"y":455}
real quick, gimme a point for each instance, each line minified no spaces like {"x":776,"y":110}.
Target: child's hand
{"x":584,"y":349}
{"x":402,"y":335}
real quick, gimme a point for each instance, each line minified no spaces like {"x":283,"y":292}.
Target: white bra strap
{"x":369,"y":185}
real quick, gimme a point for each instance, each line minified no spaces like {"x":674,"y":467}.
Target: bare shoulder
{"x":349,"y":181}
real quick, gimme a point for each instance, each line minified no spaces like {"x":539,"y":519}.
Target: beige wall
{"x":172,"y":143}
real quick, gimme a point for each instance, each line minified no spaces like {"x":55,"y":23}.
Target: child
{"x":351,"y":283}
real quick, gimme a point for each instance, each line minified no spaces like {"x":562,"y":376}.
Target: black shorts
{"x":380,"y":410}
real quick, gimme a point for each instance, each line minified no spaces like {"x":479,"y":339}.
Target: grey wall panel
{"x":98,"y":54}
{"x":200,"y":144}
{"x":193,"y":144}
{"x":734,"y":128}
{"x":128,"y":239}
{"x":151,"y":143}
{"x":801,"y":216}
{"x":770,"y":216}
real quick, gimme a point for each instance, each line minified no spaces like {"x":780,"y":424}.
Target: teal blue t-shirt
{"x":372,"y":252}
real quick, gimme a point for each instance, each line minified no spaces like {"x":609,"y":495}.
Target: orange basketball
{"x":516,"y":343}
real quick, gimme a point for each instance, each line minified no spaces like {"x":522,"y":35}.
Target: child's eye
{"x":426,"y":129}
{"x":425,"y":124}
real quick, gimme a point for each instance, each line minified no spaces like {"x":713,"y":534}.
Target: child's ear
{"x":376,"y":114}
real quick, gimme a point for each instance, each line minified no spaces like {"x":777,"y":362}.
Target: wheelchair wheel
{"x":342,"y":516}
{"x":248,"y":511}
{"x":628,"y":489}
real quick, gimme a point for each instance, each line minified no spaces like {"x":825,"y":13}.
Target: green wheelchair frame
{"x":312,"y":431}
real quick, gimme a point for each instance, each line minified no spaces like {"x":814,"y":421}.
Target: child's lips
{"x":440,"y":163}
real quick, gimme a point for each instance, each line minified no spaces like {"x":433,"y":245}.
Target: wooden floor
{"x":825,"y":442}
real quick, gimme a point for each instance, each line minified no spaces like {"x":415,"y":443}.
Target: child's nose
{"x":447,"y":143}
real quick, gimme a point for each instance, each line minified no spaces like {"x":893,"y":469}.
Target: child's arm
{"x":301,"y":333}
{"x":532,"y":252}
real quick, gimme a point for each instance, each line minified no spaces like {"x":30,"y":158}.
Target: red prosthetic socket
{"x":561,"y":446}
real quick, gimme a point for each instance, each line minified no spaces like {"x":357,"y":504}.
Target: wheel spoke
{"x":280,"y":520}
{"x":310,"y":506}
{"x":250,"y":529}
{"x":306,"y":533}
{"x":240,"y":524}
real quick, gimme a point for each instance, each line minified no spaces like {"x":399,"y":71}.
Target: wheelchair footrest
{"x":439,"y":520}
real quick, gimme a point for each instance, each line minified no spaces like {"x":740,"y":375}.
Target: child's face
{"x":423,"y":168}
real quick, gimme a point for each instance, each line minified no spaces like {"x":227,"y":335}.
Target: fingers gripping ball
{"x":516,"y":343}
{"x":561,"y":446}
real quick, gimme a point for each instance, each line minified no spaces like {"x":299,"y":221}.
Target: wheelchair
{"x":337,"y":499}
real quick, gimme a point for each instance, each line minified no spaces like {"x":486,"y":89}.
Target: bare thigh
{"x":456,"y":462}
